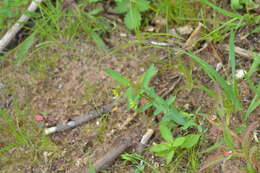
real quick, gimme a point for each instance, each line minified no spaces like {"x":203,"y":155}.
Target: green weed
{"x":19,"y":134}
{"x":10,"y":10}
{"x":236,"y":142}
{"x":168,"y":148}
{"x":138,"y":162}
{"x":141,"y":90}
{"x":239,"y":4}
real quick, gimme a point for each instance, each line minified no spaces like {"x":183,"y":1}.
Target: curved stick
{"x":10,"y":34}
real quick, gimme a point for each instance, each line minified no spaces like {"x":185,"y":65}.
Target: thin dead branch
{"x":146,"y":137}
{"x":7,"y":103}
{"x":240,"y":51}
{"x":11,"y":33}
{"x":76,"y":121}
{"x":112,"y":154}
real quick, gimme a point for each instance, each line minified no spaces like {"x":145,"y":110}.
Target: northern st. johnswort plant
{"x":171,"y":115}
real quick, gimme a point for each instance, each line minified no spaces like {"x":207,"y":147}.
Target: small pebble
{"x":240,"y":73}
{"x":185,"y":30}
{"x":123,"y":34}
{"x":149,"y":29}
{"x":218,"y":66}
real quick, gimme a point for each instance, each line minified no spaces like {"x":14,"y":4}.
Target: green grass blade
{"x":220,"y":10}
{"x":254,"y":103}
{"x":118,"y":77}
{"x":232,"y":59}
{"x":98,"y":40}
{"x":255,"y":66}
{"x":214,"y":75}
{"x":25,"y":46}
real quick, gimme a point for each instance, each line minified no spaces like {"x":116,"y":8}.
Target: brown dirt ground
{"x":76,"y":85}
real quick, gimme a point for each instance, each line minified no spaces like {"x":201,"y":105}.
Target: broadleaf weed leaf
{"x":169,"y":156}
{"x":178,"y":141}
{"x":142,"y":5}
{"x":160,"y":147}
{"x":133,"y":18}
{"x":191,"y":140}
{"x":166,"y":133}
{"x":122,"y":6}
{"x":147,"y":76}
{"x":118,"y":77}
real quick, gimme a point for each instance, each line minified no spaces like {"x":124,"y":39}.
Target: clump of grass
{"x":20,"y":133}
{"x":236,"y":142}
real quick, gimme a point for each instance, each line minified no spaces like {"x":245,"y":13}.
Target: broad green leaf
{"x":174,"y":115}
{"x":122,"y":6}
{"x":133,"y":18}
{"x":166,"y":133}
{"x":142,"y":5}
{"x":150,"y":92}
{"x":235,"y":4}
{"x":178,"y":141}
{"x":228,"y":139}
{"x":160,"y":147}
{"x":190,"y":140}
{"x":188,"y":124}
{"x":118,"y":77}
{"x":145,"y":107}
{"x":25,"y":47}
{"x":213,"y":74}
{"x":147,"y":76}
{"x":170,"y":100}
{"x":158,"y":108}
{"x":170,"y":156}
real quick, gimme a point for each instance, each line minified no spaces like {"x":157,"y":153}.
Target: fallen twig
{"x":146,"y":137}
{"x":76,"y":121}
{"x":240,"y":51}
{"x":10,"y":34}
{"x":123,"y":144}
{"x":112,"y":154}
{"x":7,"y":103}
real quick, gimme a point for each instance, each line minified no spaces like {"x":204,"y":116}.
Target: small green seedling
{"x":132,"y":10}
{"x":141,"y":90}
{"x":239,"y":4}
{"x":168,"y":148}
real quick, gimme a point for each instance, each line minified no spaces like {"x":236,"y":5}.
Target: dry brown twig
{"x":240,"y":51}
{"x":76,"y":121}
{"x":10,"y":34}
